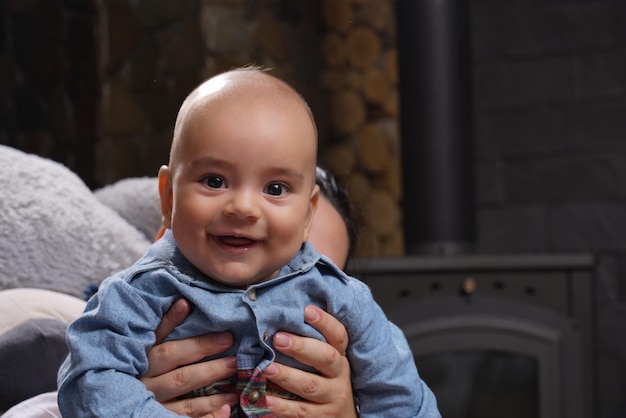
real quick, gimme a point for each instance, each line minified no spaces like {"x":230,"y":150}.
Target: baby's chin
{"x":240,"y":280}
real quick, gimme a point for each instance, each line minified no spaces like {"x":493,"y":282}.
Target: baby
{"x":237,"y":199}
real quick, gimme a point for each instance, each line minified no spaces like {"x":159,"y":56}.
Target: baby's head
{"x":239,"y":192}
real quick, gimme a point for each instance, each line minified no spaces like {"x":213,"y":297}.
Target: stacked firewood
{"x":361,"y":80}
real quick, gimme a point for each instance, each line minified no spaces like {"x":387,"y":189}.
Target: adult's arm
{"x":108,"y":345}
{"x":384,"y":377}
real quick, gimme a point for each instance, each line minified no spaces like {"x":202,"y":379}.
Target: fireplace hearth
{"x":495,"y":336}
{"x":492,"y":335}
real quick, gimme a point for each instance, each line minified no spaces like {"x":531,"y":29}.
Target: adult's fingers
{"x":167,"y":356}
{"x":341,"y":407}
{"x":315,"y":353}
{"x":333,"y":330}
{"x":183,"y":380}
{"x":177,"y":313}
{"x":328,"y":394}
{"x":309,"y":386}
{"x":327,"y":358}
{"x":214,"y":406}
{"x":224,"y":412}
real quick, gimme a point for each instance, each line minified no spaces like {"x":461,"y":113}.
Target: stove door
{"x":488,"y":357}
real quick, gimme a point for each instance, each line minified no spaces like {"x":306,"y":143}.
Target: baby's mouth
{"x":234,"y":241}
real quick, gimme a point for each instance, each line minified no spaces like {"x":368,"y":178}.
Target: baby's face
{"x":242,"y":187}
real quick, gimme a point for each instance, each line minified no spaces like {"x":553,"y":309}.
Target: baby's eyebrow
{"x":287,"y":172}
{"x":210,"y":161}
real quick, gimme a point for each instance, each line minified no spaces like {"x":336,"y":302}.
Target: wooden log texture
{"x":381,"y":213}
{"x":363,"y":47}
{"x":373,"y":149}
{"x":332,"y":79}
{"x":378,"y":14}
{"x":333,"y":50}
{"x":393,"y":245}
{"x":390,"y":65}
{"x":368,"y":245}
{"x":336,"y":79}
{"x":340,"y":160}
{"x":393,"y":178}
{"x":338,"y":14}
{"x":361,"y":77}
{"x":376,"y":87}
{"x":358,"y":187}
{"x":347,"y":112}
{"x":353,"y":80}
{"x":391,"y":105}
{"x":271,"y":38}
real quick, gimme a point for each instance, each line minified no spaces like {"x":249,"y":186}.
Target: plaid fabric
{"x":252,"y":388}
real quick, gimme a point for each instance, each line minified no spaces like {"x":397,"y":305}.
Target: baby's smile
{"x":236,"y":244}
{"x":236,"y":241}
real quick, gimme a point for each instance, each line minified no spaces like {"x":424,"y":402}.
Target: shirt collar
{"x":165,"y":248}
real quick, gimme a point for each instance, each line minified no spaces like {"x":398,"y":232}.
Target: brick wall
{"x":550,"y":103}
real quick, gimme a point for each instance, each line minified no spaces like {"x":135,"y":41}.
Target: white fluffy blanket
{"x":55,"y":233}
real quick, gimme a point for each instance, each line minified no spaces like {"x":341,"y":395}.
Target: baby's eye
{"x":276,"y":189}
{"x":214,"y":182}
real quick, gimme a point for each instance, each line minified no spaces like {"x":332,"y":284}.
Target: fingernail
{"x":271,"y":370}
{"x":282,"y":340}
{"x":223,"y":338}
{"x":311,"y":314}
{"x":270,"y":400}
{"x":231,"y":362}
{"x":179,"y":307}
{"x":224,"y":410}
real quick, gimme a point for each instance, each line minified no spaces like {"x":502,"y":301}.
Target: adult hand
{"x":326,"y":395}
{"x":168,"y":381}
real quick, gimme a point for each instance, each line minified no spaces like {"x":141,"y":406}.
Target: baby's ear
{"x":315,"y":196}
{"x":167,"y":195}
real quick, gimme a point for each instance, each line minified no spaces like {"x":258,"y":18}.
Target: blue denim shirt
{"x":109,"y":341}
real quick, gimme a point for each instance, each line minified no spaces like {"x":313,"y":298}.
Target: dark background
{"x":549,"y":84}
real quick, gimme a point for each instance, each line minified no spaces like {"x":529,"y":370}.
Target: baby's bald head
{"x":243,"y":86}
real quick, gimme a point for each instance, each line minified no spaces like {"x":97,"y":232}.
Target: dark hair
{"x":338,"y":197}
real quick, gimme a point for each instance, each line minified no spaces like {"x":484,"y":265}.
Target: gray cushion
{"x":30,"y":355}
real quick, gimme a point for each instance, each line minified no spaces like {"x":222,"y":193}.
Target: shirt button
{"x":252,"y":294}
{"x":254,"y":396}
